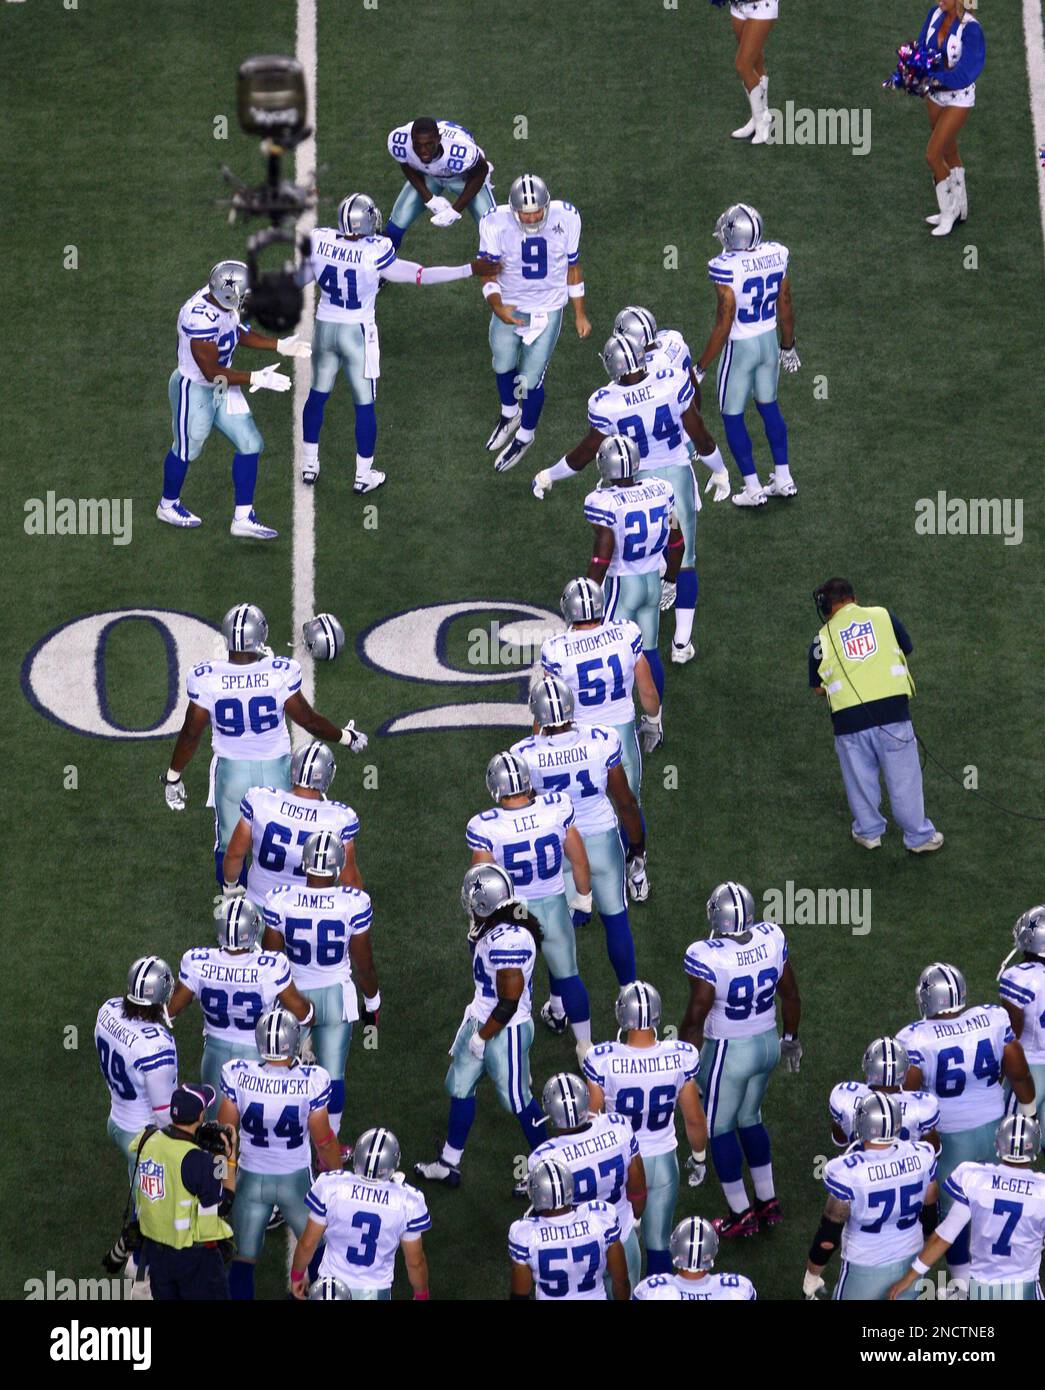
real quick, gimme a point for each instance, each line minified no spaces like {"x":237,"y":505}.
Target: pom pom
{"x":915,"y":68}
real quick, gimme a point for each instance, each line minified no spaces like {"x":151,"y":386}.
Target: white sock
{"x":782,"y":474}
{"x":683,"y":625}
{"x":555,"y":1003}
{"x":363,"y":466}
{"x":714,"y":460}
{"x":736,"y":1195}
{"x":763,"y":1180}
{"x":752,"y":484}
{"x":241,"y":513}
{"x":310,"y":452}
{"x":523,"y":435}
{"x":509,"y":413}
{"x":170,"y":501}
{"x":452,"y":1156}
{"x":582,"y":1031}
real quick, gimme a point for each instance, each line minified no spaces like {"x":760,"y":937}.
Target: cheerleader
{"x":752,"y":21}
{"x":949,"y":29}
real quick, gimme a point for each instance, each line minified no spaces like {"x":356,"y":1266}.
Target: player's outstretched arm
{"x":302,"y":713}
{"x":701,"y":998}
{"x":725,"y":312}
{"x":308,"y":1243}
{"x":205,"y":355}
{"x":402,"y":272}
{"x":933,"y":1249}
{"x":617,"y":1269}
{"x":569,"y":464}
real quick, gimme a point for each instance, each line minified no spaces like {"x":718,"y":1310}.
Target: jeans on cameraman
{"x":196,"y":1273}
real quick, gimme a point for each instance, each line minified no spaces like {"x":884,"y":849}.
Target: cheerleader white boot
{"x":949,"y":208}
{"x":763,"y":116}
{"x":934,"y":217}
{"x":960,"y":192}
{"x":745,"y":132}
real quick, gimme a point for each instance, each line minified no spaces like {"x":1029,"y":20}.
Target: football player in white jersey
{"x":136,"y":1053}
{"x":658,"y":412}
{"x":735,"y":978}
{"x":323,"y":927}
{"x":1002,"y":1206}
{"x":602,"y":1153}
{"x":644,"y":1078}
{"x":366,"y":1216}
{"x":497,"y":1029}
{"x":602,"y":663}
{"x":961,"y":1053}
{"x":1022,"y":990}
{"x":438,"y":158}
{"x":753,"y":289}
{"x":206,"y":390}
{"x":531,"y":837}
{"x":563,"y":1248}
{"x":348,"y":263}
{"x":752,"y":22}
{"x":277,"y":1105}
{"x":235,"y":984}
{"x":885,"y":1065}
{"x":584,"y":761}
{"x":246,"y":700}
{"x":274,"y":826}
{"x":694,"y":1246}
{"x":875,"y":1194}
{"x":536,"y":242}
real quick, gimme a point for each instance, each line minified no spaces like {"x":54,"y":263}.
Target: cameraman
{"x":185,"y":1189}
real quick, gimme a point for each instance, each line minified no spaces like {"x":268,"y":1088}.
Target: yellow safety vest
{"x":860,"y":658}
{"x":168,"y":1212}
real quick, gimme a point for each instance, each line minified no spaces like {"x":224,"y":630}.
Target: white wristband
{"x":490,"y":287}
{"x":372,"y":1005}
{"x":700,"y":1157}
{"x":173,"y":776}
{"x":919,"y":1266}
{"x":576,"y":291}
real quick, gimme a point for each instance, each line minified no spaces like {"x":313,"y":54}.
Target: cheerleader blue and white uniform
{"x":965,"y":51}
{"x":754,"y":9}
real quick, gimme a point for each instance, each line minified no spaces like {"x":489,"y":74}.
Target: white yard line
{"x":304,"y":526}
{"x":1035,"y":44}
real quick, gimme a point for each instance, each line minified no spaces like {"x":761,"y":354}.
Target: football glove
{"x":667,"y":595}
{"x":232,"y":890}
{"x":580,"y":910}
{"x":269,"y":379}
{"x":812,"y":1287}
{"x":789,"y":358}
{"x":638,"y":883}
{"x":293,"y":347}
{"x":699,"y":372}
{"x":476,"y":1045}
{"x":447,"y":218}
{"x":355,"y":738}
{"x":438,"y":205}
{"x":696,"y":1169}
{"x":791,"y":1054}
{"x":651,"y":732}
{"x":720,"y":482}
{"x":541,"y":484}
{"x":174,"y":794}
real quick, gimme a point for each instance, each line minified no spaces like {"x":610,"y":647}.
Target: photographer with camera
{"x":185,"y":1186}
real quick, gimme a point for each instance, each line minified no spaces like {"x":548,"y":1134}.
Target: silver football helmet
{"x":150,"y":980}
{"x":245,"y":628}
{"x":878,"y":1118}
{"x":1018,"y":1139}
{"x":376,"y":1154}
{"x":329,"y":1290}
{"x":277,"y":1035}
{"x":885,"y":1062}
{"x":229,"y":284}
{"x":941,"y":990}
{"x":617,"y":459}
{"x":239,"y":925}
{"x":582,"y":601}
{"x":565,"y":1101}
{"x":620,"y":357}
{"x":313,"y":766}
{"x":739,"y":228}
{"x":485,"y":888}
{"x":731,"y":909}
{"x":693,"y":1245}
{"x":550,"y":1185}
{"x":638,"y":326}
{"x":323,"y":637}
{"x":323,"y":855}
{"x":551,"y":702}
{"x":529,"y":194}
{"x":1029,"y":931}
{"x":507,"y":775}
{"x":358,"y":215}
{"x":638,"y":1006}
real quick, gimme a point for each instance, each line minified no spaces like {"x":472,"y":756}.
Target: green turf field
{"x":927,"y":374}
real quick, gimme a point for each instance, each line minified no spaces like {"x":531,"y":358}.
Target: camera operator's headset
{"x":823,"y":608}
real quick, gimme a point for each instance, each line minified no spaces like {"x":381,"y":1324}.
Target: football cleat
{"x":438,"y":1170}
{"x":310,"y":472}
{"x":775,"y":489}
{"x":511,"y":454}
{"x":252,"y":529}
{"x":749,"y":499}
{"x":555,"y":1022}
{"x":177,"y":515}
{"x":680,"y":655}
{"x":737,"y":1223}
{"x":768,"y":1212}
{"x":503,"y":431}
{"x":367,"y":482}
{"x":276,"y":1220}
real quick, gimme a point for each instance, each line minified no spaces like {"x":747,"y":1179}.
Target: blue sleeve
{"x":925,"y":27}
{"x":198,"y":1175}
{"x":903,"y":637}
{"x":970,"y":64}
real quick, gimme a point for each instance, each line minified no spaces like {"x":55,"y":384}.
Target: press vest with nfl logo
{"x":859,"y":653}
{"x":168,"y":1213}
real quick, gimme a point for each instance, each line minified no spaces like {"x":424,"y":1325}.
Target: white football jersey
{"x":745,"y":972}
{"x":1006,"y":1206}
{"x":1024,"y":986}
{"x":670,"y":351}
{"x":649,"y":412}
{"x":139,"y":1065}
{"x":245,"y":703}
{"x":656,"y":1288}
{"x":280,"y":823}
{"x":534,"y":264}
{"x":456,"y":157}
{"x":640,"y":518}
{"x":507,"y":947}
{"x":713,"y":1288}
{"x":204,"y":322}
{"x":234,"y":988}
{"x":527,"y":842}
{"x":885,"y":1189}
{"x":920,"y":1110}
{"x":365,"y":1219}
{"x":577,"y":762}
{"x":566,"y":1253}
{"x":598,"y":664}
{"x":274,"y":1104}
{"x":643,"y":1084}
{"x":755,"y":278}
{"x":960,"y":1060}
{"x":347,"y":273}
{"x":317,"y":925}
{"x":598,"y":1155}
